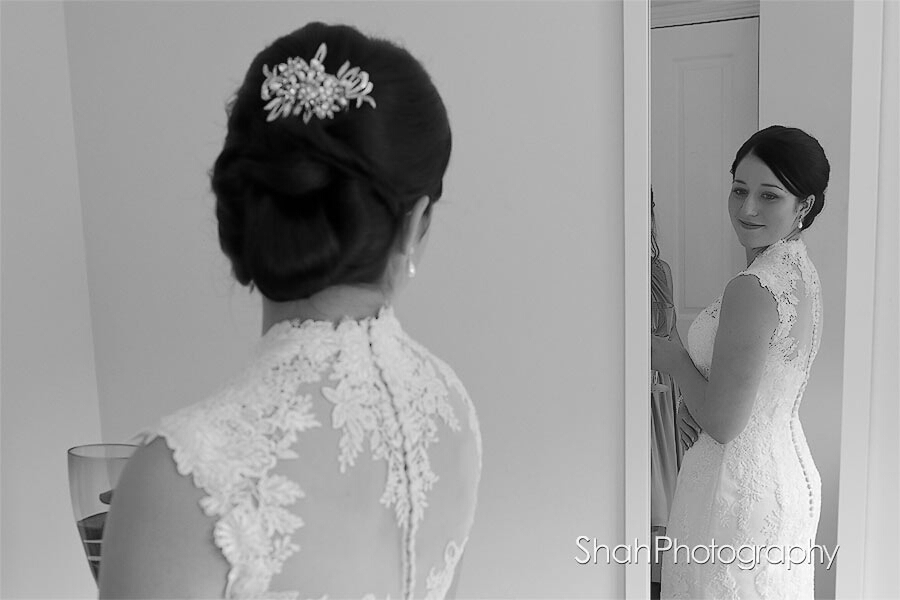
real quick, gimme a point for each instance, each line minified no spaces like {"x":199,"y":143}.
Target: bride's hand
{"x":688,"y":429}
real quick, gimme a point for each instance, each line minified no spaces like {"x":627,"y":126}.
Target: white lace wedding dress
{"x":761,"y":488}
{"x":342,"y":463}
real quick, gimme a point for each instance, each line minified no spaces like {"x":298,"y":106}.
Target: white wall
{"x":49,"y":389}
{"x":521,"y":286}
{"x":882,"y":526}
{"x":869,"y":524}
{"x":804,"y":81}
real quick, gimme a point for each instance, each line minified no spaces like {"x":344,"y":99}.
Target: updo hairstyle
{"x":796,"y":159}
{"x":304,"y":206}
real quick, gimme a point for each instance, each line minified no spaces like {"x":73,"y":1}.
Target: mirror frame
{"x":865,"y":135}
{"x":636,"y":167}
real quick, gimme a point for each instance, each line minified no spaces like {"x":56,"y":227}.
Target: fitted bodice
{"x":343,"y":462}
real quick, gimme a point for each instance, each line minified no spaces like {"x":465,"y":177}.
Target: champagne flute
{"x":94,"y":470}
{"x":662,"y":323}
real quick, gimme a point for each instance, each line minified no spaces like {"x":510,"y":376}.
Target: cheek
{"x":785,"y":209}
{"x":779,"y":212}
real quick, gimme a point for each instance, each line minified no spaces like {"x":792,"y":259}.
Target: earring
{"x":410,"y":266}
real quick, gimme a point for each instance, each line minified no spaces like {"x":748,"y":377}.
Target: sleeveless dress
{"x":761,"y":488}
{"x":344,"y":460}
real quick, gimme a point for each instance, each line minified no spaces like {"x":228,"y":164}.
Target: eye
{"x":739,"y":192}
{"x":770,"y":196}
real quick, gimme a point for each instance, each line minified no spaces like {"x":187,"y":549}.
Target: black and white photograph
{"x":367,"y":299}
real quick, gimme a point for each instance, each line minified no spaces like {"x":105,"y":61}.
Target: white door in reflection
{"x":704,"y":103}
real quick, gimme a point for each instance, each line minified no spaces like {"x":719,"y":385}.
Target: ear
{"x":415,"y":226}
{"x":807,"y":204}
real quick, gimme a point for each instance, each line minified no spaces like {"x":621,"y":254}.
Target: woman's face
{"x":762,"y":210}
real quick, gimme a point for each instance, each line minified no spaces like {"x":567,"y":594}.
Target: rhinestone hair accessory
{"x":296,"y":87}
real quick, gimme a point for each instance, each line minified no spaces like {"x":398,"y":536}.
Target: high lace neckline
{"x":385,"y":314}
{"x":285,"y":336}
{"x":771,"y":248}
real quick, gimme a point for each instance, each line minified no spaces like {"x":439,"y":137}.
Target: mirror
{"x":719,"y":72}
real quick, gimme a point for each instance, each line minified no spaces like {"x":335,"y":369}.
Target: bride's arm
{"x":157,"y":541}
{"x":747,"y":318}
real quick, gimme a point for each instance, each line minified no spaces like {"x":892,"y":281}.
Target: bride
{"x":309,"y":474}
{"x":748,"y":491}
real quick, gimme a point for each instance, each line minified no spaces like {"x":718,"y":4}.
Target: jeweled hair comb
{"x":295,"y":87}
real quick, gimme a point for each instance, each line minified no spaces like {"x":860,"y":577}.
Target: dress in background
{"x":761,"y":488}
{"x":343,"y":462}
{"x":665,"y":450}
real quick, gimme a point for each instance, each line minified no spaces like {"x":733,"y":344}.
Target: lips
{"x":747,"y":225}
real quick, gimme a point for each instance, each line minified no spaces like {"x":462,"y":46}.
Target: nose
{"x":749,"y":206}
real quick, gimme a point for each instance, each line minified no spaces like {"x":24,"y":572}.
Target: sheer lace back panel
{"x":343,"y":463}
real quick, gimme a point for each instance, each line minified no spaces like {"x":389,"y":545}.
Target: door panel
{"x":704,"y":104}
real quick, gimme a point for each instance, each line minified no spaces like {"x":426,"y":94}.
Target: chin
{"x":753,"y":239}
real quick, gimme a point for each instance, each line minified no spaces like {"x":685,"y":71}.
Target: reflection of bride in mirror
{"x":748,"y":483}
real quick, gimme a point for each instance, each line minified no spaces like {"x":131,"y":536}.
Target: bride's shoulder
{"x":230,"y":417}
{"x":750,"y":296}
{"x":439,"y":375}
{"x":776,"y":278}
{"x":437,"y":365}
{"x":155,"y":504}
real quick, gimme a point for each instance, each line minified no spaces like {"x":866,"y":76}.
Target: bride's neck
{"x":752,"y":253}
{"x":331,"y":304}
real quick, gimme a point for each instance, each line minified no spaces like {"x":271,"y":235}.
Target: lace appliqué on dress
{"x":230,"y":448}
{"x":438,"y":582}
{"x":778,"y":272}
{"x":387,"y":392}
{"x":399,"y":417}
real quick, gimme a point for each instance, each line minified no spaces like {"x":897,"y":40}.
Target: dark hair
{"x":795,"y":158}
{"x":303,"y":206}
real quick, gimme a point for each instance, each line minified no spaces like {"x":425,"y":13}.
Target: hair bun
{"x":306,"y":205}
{"x":289,"y":178}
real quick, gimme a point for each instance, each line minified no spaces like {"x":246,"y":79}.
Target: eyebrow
{"x":763,"y":184}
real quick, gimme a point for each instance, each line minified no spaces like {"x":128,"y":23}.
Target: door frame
{"x":672,"y":13}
